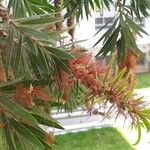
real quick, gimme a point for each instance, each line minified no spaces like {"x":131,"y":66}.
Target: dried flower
{"x":40,"y":93}
{"x":66,"y":83}
{"x":23,"y":96}
{"x":58,"y":5}
{"x":130,"y":63}
{"x":2,"y":74}
{"x":50,"y":138}
{"x":4,"y":13}
{"x":70,"y":23}
{"x":88,"y":71}
{"x":85,"y":69}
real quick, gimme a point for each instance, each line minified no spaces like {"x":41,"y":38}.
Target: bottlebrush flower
{"x":130,"y":62}
{"x":65,"y":83}
{"x":87,"y":70}
{"x":58,"y":5}
{"x":2,"y":74}
{"x":24,"y":95}
{"x":50,"y":138}
{"x":123,"y":101}
{"x":70,"y":23}
{"x":39,"y":92}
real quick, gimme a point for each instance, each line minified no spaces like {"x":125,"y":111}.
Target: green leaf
{"x":145,"y":113}
{"x":104,"y":26}
{"x":9,"y":48}
{"x":18,"y":53}
{"x":61,"y":64}
{"x":9,"y":83}
{"x":110,"y":43}
{"x":107,"y":34}
{"x":31,"y":46}
{"x":139,"y":99}
{"x":136,"y":28}
{"x":109,"y":111}
{"x":39,"y":19}
{"x":145,"y":122}
{"x":119,"y":75}
{"x":26,"y":3}
{"x":107,"y":74}
{"x":9,"y":133}
{"x":44,"y":118}
{"x":17,"y":110}
{"x":4,"y":145}
{"x":130,"y":41}
{"x":121,"y":44}
{"x":3,"y":140}
{"x":39,"y":133}
{"x":86,"y":8}
{"x":60,"y":53}
{"x":37,"y":10}
{"x":29,"y":32}
{"x":25,"y":64}
{"x":37,"y":67}
{"x":43,"y":59}
{"x":139,"y":134}
{"x":128,"y":95}
{"x":23,"y":131}
{"x":18,"y":142}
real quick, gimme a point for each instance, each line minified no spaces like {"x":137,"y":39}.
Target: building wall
{"x":86,"y":30}
{"x":144,"y":64}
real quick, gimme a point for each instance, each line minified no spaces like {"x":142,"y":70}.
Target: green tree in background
{"x":38,"y":72}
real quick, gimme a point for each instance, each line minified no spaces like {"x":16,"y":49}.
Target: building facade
{"x":87,"y":29}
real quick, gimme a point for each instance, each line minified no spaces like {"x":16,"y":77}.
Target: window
{"x":98,"y":20}
{"x":108,"y":19}
{"x":101,"y":21}
{"x":142,"y":61}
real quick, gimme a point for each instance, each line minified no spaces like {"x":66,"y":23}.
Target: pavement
{"x":80,"y":121}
